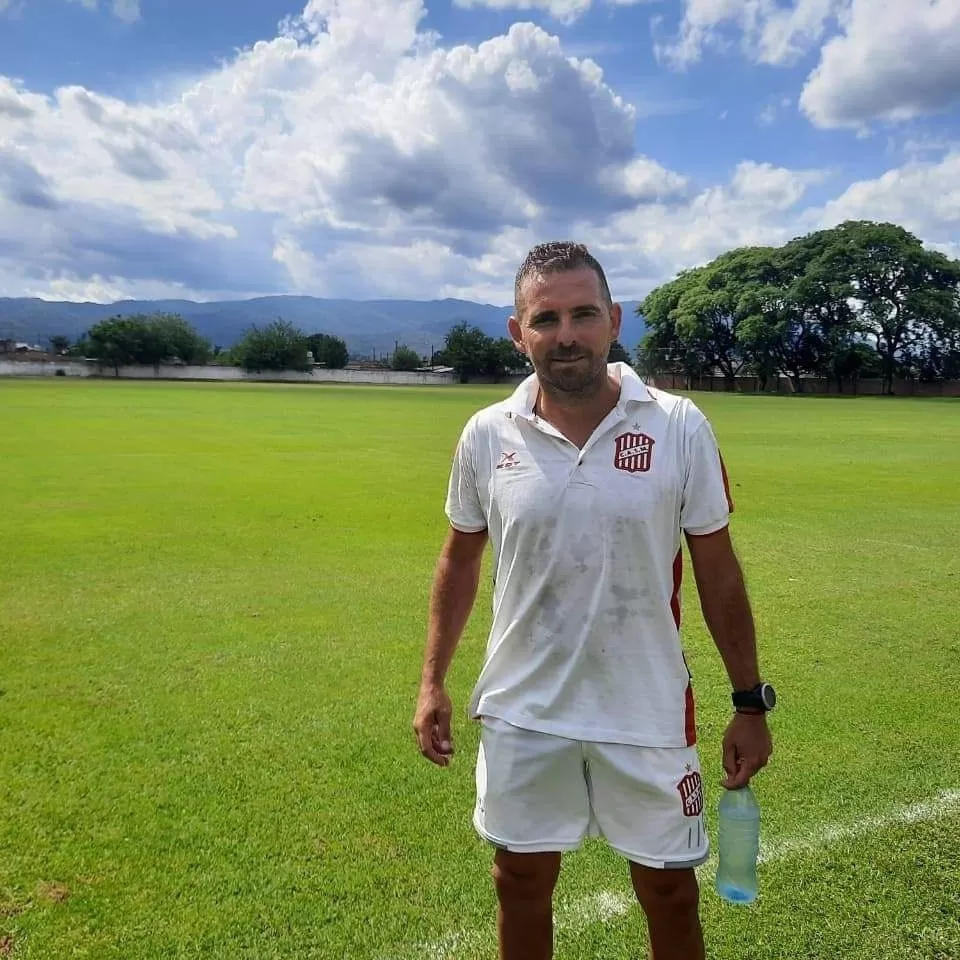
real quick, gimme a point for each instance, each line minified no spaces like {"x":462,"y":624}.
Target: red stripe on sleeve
{"x":677,"y":578}
{"x":690,"y":717}
{"x":726,"y":484}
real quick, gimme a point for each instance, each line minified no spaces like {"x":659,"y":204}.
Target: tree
{"x":618,"y":354}
{"x":691,"y":320}
{"x":145,"y":339}
{"x":279,"y":346}
{"x":329,"y":350}
{"x":119,"y":341}
{"x":852,"y":362}
{"x":502,"y":357}
{"x":404,"y":358}
{"x":907,"y":294}
{"x":59,"y":344}
{"x":466,"y":350}
{"x":172,"y":338}
{"x":780,"y":313}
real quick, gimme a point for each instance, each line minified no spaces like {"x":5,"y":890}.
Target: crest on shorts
{"x":634,"y":452}
{"x":691,"y":793}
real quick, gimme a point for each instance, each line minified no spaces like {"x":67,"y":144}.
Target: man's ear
{"x":516,"y":334}
{"x":616,"y":319}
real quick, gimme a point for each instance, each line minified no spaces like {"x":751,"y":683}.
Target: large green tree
{"x":278,"y":346}
{"x":466,"y":349}
{"x":818,"y":306}
{"x":145,"y":339}
{"x":693,"y":321}
{"x":908,"y":295}
{"x":329,"y":350}
{"x":175,"y":339}
{"x":784,"y":316}
{"x":119,"y":341}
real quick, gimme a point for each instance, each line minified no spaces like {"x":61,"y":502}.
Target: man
{"x":582,"y":482}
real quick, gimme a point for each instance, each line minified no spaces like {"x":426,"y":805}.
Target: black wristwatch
{"x":761,"y":699}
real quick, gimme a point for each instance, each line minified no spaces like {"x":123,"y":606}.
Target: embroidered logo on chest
{"x":508,"y":461}
{"x":633,"y":453}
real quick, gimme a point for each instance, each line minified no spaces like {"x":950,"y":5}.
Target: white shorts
{"x":538,"y":793}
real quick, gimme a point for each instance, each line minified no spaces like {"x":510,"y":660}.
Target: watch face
{"x":768,"y":695}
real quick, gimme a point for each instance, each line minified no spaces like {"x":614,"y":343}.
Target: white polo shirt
{"x":587,"y":561}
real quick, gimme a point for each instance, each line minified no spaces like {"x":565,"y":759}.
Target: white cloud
{"x":645,"y":246}
{"x":768,"y":115}
{"x":347,"y":136}
{"x":354,"y":155}
{"x":771,"y":33}
{"x":897,"y":59}
{"x":565,"y":11}
{"x":924,"y":197}
{"x":126,"y":10}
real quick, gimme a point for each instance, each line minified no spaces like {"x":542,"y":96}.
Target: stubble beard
{"x":576,"y":381}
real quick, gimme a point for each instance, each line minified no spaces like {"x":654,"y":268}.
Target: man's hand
{"x":431,"y":724}
{"x":747,"y":746}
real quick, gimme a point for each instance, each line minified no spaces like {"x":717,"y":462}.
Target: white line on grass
{"x":573,"y":916}
{"x":936,"y":807}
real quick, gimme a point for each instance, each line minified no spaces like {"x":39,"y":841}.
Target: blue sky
{"x":417,"y":148}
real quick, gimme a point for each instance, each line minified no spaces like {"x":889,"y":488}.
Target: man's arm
{"x":452,"y":595}
{"x":726,"y":609}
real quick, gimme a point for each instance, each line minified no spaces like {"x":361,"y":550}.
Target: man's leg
{"x":532,"y":803}
{"x":670,"y":899}
{"x":524,"y":884}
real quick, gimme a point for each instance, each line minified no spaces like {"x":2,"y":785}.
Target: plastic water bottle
{"x":738,"y":842}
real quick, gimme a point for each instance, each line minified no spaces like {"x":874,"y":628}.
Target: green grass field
{"x":212,"y":609}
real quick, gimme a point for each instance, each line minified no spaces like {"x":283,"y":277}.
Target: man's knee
{"x":525,"y":877}
{"x":666,"y":891}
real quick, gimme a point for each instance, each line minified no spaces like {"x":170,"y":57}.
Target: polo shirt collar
{"x":632,"y":390}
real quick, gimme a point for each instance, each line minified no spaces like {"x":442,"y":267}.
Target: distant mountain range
{"x":367,"y":326}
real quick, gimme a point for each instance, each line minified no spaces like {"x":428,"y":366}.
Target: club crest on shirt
{"x":691,"y":793}
{"x":633,"y":453}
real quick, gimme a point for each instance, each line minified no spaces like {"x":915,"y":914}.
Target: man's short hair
{"x":554,"y":257}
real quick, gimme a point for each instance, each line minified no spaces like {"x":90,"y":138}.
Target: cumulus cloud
{"x":895,"y":60}
{"x":922,"y":196}
{"x":769,"y":31}
{"x":891,"y":59}
{"x":354,"y":155}
{"x":565,"y":11}
{"x":346,"y":132}
{"x":126,"y":10}
{"x":759,"y":205}
{"x":21,"y":183}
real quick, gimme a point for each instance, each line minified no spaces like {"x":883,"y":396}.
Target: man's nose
{"x":566,"y":334}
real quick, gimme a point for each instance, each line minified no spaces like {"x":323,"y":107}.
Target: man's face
{"x":565,"y":327}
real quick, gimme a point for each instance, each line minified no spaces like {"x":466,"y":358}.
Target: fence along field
{"x":212,"y":602}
